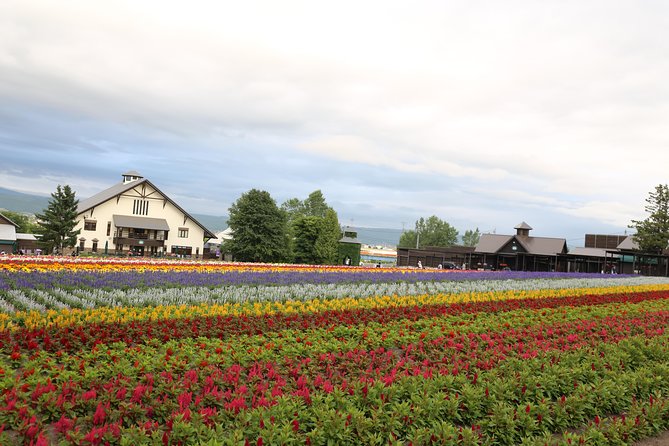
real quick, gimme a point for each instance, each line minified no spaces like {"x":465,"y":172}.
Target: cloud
{"x":473,"y":110}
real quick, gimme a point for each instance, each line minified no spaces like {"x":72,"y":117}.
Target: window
{"x":182,"y":250}
{"x":140,"y":207}
{"x":108,"y":227}
{"x":95,"y":247}
{"x":183,"y":232}
{"x":89,"y":225}
{"x":81,"y":244}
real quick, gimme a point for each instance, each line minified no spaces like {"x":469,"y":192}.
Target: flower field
{"x":167,"y":353}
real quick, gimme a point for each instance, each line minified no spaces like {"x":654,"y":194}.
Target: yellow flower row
{"x":32,"y":265}
{"x":69,"y":317}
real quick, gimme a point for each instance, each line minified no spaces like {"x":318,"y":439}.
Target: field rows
{"x":502,"y":362}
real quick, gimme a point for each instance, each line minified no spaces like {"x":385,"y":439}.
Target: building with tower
{"x":134,"y":217}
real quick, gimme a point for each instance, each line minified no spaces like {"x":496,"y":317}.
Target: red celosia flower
{"x":100,"y":414}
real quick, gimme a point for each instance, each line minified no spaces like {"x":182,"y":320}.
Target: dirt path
{"x":660,"y":440}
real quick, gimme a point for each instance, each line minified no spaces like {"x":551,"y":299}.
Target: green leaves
{"x":259,"y":229}
{"x":59,"y":220}
{"x":652,"y":234}
{"x":429,"y":232}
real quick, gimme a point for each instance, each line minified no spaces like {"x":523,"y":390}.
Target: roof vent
{"x":130,"y":176}
{"x":523,"y":229}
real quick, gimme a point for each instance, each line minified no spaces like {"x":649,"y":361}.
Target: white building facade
{"x":134,"y":217}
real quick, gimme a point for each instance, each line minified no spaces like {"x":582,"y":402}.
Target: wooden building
{"x":432,"y":257}
{"x":519,"y":252}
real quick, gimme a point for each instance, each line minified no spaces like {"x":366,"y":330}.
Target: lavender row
{"x":160,"y":279}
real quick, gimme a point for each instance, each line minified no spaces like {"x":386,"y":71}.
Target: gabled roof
{"x":492,"y":243}
{"x":120,"y":188}
{"x":226,"y":234}
{"x":109,"y":193}
{"x":3,"y":217}
{"x":629,"y":244}
{"x":221,"y":236}
{"x":544,"y":245}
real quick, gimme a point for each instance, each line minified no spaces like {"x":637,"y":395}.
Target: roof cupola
{"x":130,"y":176}
{"x":523,"y":229}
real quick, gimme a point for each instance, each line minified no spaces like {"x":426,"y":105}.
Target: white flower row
{"x":85,"y":298}
{"x":21,"y":300}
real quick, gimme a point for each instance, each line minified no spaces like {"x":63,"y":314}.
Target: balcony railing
{"x":137,"y":241}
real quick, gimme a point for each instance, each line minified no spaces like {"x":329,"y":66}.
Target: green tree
{"x":327,"y":245}
{"x":652,"y":234}
{"x":408,"y":239}
{"x":259,"y":228}
{"x":58,"y":220}
{"x":25,"y":222}
{"x":471,"y":238}
{"x":307,"y":231}
{"x":432,"y":231}
{"x":293,"y":208}
{"x":306,"y":245}
{"x":315,"y":204}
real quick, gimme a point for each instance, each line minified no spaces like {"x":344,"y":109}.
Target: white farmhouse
{"x":135,"y":217}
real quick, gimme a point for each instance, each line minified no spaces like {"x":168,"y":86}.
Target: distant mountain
{"x":21,"y":202}
{"x":379,"y":236}
{"x":213,"y":223}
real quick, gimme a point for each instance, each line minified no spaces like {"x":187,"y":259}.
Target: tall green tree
{"x":293,"y":208}
{"x":307,"y":230}
{"x":327,"y":244}
{"x":259,"y":228}
{"x":315,"y":204}
{"x":471,"y":238}
{"x":432,"y":231}
{"x":313,"y":240}
{"x":58,"y":220}
{"x":25,"y":222}
{"x":652,"y":234}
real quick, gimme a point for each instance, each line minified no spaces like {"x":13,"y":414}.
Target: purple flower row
{"x":159,"y":279}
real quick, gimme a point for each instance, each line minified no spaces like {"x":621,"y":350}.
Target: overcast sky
{"x":484,"y":113}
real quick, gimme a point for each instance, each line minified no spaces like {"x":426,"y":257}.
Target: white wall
{"x":158,"y":208}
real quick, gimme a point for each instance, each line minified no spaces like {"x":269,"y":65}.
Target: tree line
{"x":436,"y":232}
{"x":299,"y":231}
{"x":308,"y":230}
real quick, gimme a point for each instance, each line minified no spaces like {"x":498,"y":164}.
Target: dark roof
{"x":3,"y":217}
{"x":588,"y":252}
{"x":119,"y":188}
{"x":492,"y":243}
{"x":522,"y":225}
{"x":132,"y":173}
{"x":544,"y":245}
{"x":130,"y":221}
